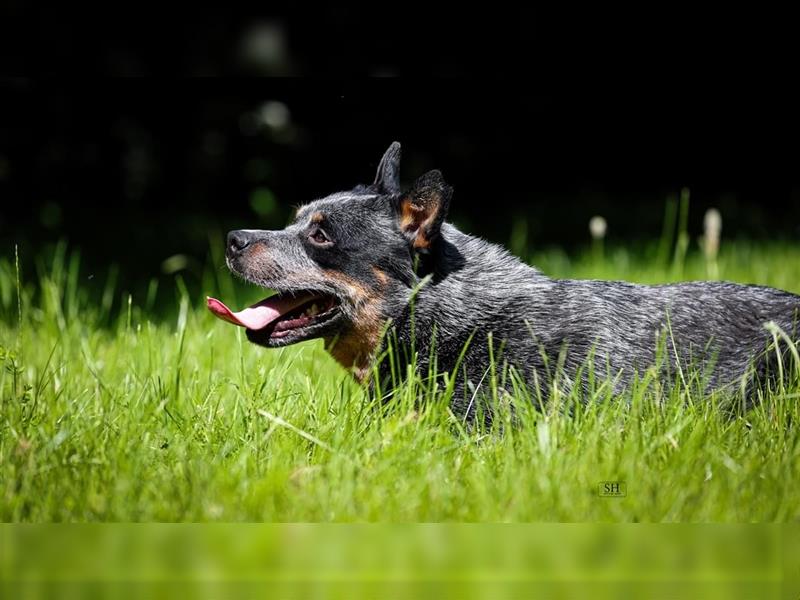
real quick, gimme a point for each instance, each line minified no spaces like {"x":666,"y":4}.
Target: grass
{"x":108,"y":412}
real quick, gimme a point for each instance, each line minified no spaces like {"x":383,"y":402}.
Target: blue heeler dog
{"x":355,"y":261}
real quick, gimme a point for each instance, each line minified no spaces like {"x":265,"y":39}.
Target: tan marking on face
{"x":317,"y":218}
{"x":355,"y":347}
{"x":258,"y":262}
{"x":257,"y":256}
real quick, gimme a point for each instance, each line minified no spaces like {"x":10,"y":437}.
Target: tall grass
{"x":110,"y":413}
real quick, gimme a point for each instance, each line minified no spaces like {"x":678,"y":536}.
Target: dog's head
{"x":342,"y":267}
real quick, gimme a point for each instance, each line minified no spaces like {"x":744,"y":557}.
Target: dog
{"x":379,"y":263}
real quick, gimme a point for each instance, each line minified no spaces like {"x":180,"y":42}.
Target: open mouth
{"x":283,"y":318}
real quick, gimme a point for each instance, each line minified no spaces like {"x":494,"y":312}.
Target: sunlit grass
{"x":109,"y":413}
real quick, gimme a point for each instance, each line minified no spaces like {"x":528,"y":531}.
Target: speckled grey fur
{"x":468,"y":290}
{"x":713,"y":326}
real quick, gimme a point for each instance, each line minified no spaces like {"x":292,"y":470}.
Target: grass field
{"x":111,"y":410}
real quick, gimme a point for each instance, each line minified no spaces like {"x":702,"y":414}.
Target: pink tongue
{"x":261,"y":313}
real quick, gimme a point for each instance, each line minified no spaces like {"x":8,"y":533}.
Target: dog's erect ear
{"x":421,"y":210}
{"x":387,"y":179}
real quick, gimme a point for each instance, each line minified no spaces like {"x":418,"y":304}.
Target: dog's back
{"x":548,"y":328}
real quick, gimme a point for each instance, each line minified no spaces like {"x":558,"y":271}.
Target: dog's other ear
{"x":422,"y":209}
{"x":387,"y":179}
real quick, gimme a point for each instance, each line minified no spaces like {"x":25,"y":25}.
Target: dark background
{"x":133,"y":171}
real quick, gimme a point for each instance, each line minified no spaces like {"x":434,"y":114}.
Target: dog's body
{"x":547,"y":328}
{"x":378,"y":255}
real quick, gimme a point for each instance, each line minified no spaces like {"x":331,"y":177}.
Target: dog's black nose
{"x":237,"y":241}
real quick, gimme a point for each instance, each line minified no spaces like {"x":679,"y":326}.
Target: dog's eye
{"x":320,"y":238}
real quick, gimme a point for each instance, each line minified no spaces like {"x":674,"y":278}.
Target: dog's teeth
{"x":313,"y":310}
